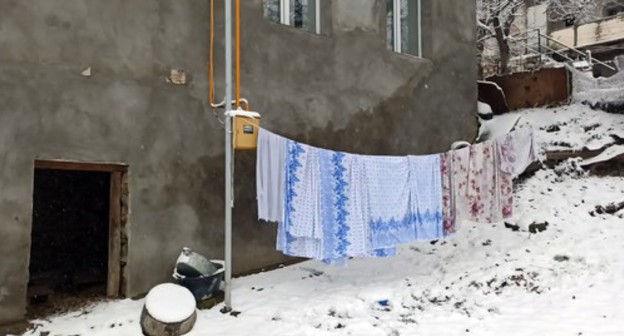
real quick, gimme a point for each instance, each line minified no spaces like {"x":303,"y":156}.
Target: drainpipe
{"x":420,"y":26}
{"x":396,"y":21}
{"x":228,"y":157}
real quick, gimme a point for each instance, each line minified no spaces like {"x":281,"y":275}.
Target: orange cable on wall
{"x":237,"y":55}
{"x":238,"y":99}
{"x":210,"y":58}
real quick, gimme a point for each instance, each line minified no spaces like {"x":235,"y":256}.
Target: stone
{"x":538,"y":227}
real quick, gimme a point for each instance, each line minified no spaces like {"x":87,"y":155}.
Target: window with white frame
{"x":404,"y":26}
{"x":304,"y":14}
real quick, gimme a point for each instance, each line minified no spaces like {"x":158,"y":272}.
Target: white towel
{"x":270,"y":164}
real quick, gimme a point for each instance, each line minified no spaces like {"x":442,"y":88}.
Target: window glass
{"x":301,"y":14}
{"x":390,"y":24}
{"x":406,"y":17}
{"x":410,"y":27}
{"x":272,"y":10}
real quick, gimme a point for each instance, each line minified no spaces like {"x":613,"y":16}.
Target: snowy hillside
{"x":570,"y":127}
{"x":488,"y":279}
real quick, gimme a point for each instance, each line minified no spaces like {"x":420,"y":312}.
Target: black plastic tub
{"x":204,"y":286}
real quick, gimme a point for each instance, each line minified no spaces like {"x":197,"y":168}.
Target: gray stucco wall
{"x":341,"y":90}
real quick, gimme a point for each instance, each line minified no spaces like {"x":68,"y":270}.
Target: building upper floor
{"x":572,"y":24}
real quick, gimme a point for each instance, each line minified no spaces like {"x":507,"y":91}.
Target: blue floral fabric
{"x":426,"y":196}
{"x":405,"y":199}
{"x":391,"y":221}
{"x":300,"y":232}
{"x":339,"y":205}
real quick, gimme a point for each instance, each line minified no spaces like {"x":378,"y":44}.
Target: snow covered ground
{"x":488,"y":279}
{"x":598,"y":90}
{"x":485,"y":280}
{"x":570,"y":127}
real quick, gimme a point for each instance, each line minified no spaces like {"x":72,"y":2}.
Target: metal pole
{"x":420,"y":44}
{"x":228,"y":156}
{"x":396,"y":21}
{"x":539,"y":46}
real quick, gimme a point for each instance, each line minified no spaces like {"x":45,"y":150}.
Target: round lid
{"x":170,"y":303}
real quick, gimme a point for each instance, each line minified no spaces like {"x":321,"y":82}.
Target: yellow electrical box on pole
{"x":246,"y":126}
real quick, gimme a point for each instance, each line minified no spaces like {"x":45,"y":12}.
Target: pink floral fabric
{"x":477,"y":182}
{"x":448,"y":202}
{"x":506,"y":194}
{"x":482,"y":192}
{"x":516,"y":151}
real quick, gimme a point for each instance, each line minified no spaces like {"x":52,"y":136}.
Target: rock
{"x":538,"y":227}
{"x":561,"y":258}
{"x":513,"y":227}
{"x":610,"y":208}
{"x":553,"y":128}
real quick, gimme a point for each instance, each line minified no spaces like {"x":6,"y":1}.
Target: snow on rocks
{"x":484,"y":110}
{"x":497,"y":127}
{"x":598,"y":91}
{"x":608,"y":154}
{"x":574,"y":127}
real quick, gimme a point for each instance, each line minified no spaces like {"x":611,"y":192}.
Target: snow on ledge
{"x":606,"y":155}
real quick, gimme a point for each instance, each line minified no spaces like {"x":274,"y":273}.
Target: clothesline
{"x":333,"y":205}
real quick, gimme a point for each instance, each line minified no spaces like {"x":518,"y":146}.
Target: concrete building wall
{"x":342,"y":89}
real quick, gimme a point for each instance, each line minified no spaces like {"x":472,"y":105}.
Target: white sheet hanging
{"x":270,"y":163}
{"x":426,"y":196}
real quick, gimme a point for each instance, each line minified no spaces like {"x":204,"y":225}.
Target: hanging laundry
{"x":300,"y":232}
{"x":325,"y":215}
{"x":391,"y":221}
{"x":332,"y":205}
{"x":426,"y":196}
{"x":270,"y":163}
{"x":517,"y":150}
{"x":478,"y":184}
{"x":482,"y":177}
{"x":448,"y":194}
{"x":357,"y":208}
{"x":405,"y":199}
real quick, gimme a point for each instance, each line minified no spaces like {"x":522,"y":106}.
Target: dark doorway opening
{"x":75,"y":254}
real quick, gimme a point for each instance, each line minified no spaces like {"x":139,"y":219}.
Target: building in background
{"x":593,"y":38}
